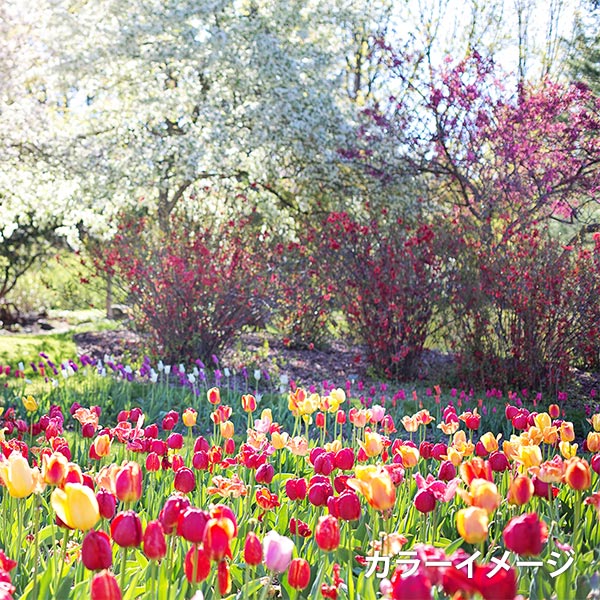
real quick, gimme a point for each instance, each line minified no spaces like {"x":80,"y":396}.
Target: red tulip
{"x":296,"y":489}
{"x":175,"y":441}
{"x":217,"y":535}
{"x":196,"y":563}
{"x":501,"y":585}
{"x":169,"y":515}
{"x":344,"y":459}
{"x":128,"y":482}
{"x":424,"y":501}
{"x":126,"y":529}
{"x":155,"y":545}
{"x":104,"y":586}
{"x":107,"y":504}
{"x":200,"y":460}
{"x":447,"y":471}
{"x":265,"y":473}
{"x":412,"y":586}
{"x":191,"y":524}
{"x":299,"y":574}
{"x":223,"y":578}
{"x":327,"y":533}
{"x":348,"y":506}
{"x":96,"y":551}
{"x":252,"y":550}
{"x":525,"y":535}
{"x":185,"y":480}
{"x":152,"y":462}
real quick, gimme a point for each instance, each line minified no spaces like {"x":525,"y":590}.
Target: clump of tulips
{"x":337,"y":503}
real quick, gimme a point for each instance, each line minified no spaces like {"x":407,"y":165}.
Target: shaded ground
{"x":337,"y":363}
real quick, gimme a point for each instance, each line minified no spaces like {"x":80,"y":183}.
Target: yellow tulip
{"x":567,"y":449}
{"x":373,"y":444}
{"x":595,"y":421}
{"x":30,"y":404}
{"x":472,"y":524}
{"x":279,"y":440}
{"x":76,"y":506}
{"x":490,"y":441}
{"x":189,"y":417}
{"x":530,"y":456}
{"x":18,"y":477}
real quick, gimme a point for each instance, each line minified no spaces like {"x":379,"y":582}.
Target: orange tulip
{"x":472,"y":524}
{"x":102,"y":445}
{"x":54,"y":468}
{"x":214,"y":395}
{"x":520,"y":490}
{"x":376,"y":486}
{"x":577,"y":474}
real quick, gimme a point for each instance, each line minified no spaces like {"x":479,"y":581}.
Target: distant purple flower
{"x":44,"y":355}
{"x":244,"y":373}
{"x":215,"y":359}
{"x":200,"y":364}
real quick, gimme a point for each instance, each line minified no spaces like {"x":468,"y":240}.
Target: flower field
{"x":175,"y":482}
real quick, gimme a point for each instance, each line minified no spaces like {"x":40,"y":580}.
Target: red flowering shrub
{"x":306,"y":293}
{"x":388,"y":277}
{"x":194,"y":287}
{"x":527,"y":314}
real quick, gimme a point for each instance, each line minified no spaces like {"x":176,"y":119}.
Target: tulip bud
{"x":152,"y":462}
{"x":191,"y":524}
{"x":200,"y":460}
{"x":348,"y":506}
{"x":520,"y":490}
{"x":104,"y":586}
{"x":155,"y":545}
{"x":498,"y":462}
{"x":327,"y":533}
{"x":596,"y":463}
{"x":172,"y":509}
{"x":296,"y":489}
{"x":175,"y":441}
{"x":265,"y":473}
{"x":217,"y":535}
{"x":126,"y":529}
{"x":128,"y":482}
{"x":577,"y":474}
{"x":107,"y":504}
{"x":447,"y":471}
{"x":252,"y":550}
{"x":185,"y":480}
{"x":96,"y":551}
{"x":189,"y":417}
{"x":344,"y":459}
{"x":299,"y":574}
{"x":554,"y":411}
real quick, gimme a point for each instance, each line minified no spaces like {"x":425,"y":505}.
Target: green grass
{"x":15,"y":348}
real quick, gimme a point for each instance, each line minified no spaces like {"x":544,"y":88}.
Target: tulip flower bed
{"x":148,"y":486}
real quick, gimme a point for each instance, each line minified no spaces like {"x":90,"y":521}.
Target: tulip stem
{"x":36,"y":544}
{"x":123,"y":569}
{"x":350,"y":574}
{"x":266,"y":589}
{"x":63,"y":557}
{"x":169,"y":566}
